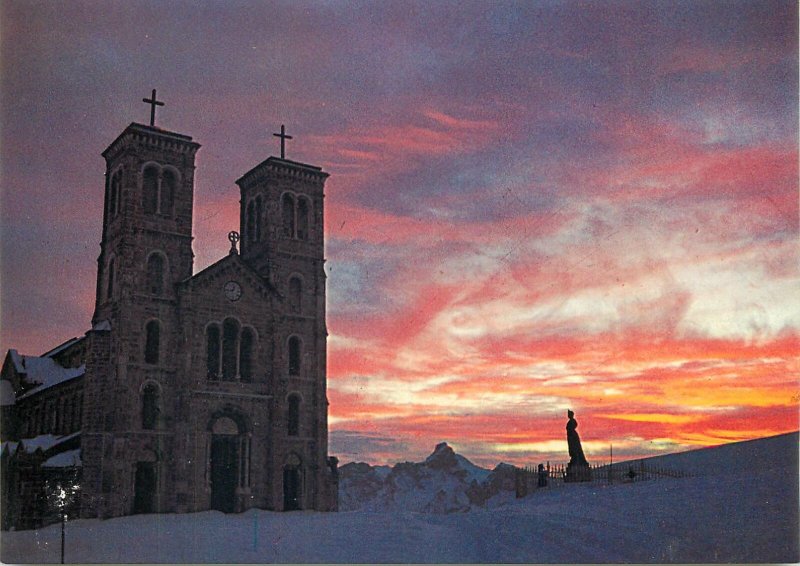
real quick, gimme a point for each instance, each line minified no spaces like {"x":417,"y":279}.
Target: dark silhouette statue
{"x":578,"y":468}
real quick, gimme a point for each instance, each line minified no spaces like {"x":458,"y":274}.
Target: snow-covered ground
{"x":745,"y":509}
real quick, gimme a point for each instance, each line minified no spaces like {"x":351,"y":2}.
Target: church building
{"x":191,"y":391}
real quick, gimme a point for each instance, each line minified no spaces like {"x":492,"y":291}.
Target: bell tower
{"x":145,"y":249}
{"x":281,"y":218}
{"x":147,"y":217}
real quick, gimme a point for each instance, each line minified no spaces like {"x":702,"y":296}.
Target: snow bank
{"x":751,"y":516}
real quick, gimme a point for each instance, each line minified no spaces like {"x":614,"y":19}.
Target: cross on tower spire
{"x":284,"y":136}
{"x":153,"y":103}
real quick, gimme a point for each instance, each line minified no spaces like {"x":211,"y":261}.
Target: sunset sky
{"x":532,"y":206}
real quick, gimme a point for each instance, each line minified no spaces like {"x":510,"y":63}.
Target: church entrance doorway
{"x":292,"y":484}
{"x":224,"y":458}
{"x":224,"y":464}
{"x":145,"y":488}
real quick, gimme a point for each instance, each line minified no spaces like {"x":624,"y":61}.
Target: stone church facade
{"x":208,"y":390}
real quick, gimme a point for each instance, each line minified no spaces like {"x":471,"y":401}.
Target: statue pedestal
{"x":578,"y":472}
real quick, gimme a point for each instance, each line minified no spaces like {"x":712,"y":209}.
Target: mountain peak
{"x":442,"y":447}
{"x":443,"y":456}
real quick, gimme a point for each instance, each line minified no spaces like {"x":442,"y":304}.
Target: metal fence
{"x":528,"y":479}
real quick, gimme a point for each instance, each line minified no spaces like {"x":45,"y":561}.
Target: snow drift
{"x":740,"y":506}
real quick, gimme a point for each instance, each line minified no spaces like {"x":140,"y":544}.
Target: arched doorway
{"x":292,"y":483}
{"x":224,"y":464}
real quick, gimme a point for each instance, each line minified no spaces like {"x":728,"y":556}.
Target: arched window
{"x":288,"y":215}
{"x":110,"y":281}
{"x":295,"y":294}
{"x":212,"y":351}
{"x":250,"y":230}
{"x":150,"y":408}
{"x":302,"y":218}
{"x":259,"y":217}
{"x":230,"y":348}
{"x":33,"y":424}
{"x":150,"y":190}
{"x":152,"y":342}
{"x":293,"y":416}
{"x":114,"y":195}
{"x":294,"y":355}
{"x":246,"y":354}
{"x":155,"y":274}
{"x":167,"y":191}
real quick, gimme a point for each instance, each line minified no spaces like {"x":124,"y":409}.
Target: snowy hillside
{"x":745,"y":509}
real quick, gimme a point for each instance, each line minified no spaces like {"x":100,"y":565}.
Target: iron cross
{"x":153,"y":103}
{"x":233,"y":238}
{"x":283,"y":137}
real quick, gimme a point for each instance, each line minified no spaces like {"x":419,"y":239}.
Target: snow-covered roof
{"x":7,"y":396}
{"x":45,"y":372}
{"x":61,"y":347}
{"x":17,"y":360}
{"x":9,"y":445}
{"x":45,"y":441}
{"x":67,"y":459}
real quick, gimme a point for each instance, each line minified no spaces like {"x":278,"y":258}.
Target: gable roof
{"x":231,"y":263}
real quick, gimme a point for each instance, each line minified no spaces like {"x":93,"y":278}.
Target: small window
{"x":246,"y":354}
{"x":114,"y":195}
{"x":60,"y":416}
{"x":212,"y":351}
{"x":150,"y":408}
{"x":230,"y":348}
{"x":110,"y":282}
{"x":152,"y":342}
{"x":288,"y":216}
{"x":302,"y":218}
{"x":155,"y":274}
{"x":75,"y":419}
{"x":150,"y":190}
{"x":294,"y":355}
{"x":167,"y":192}
{"x":295,"y":294}
{"x":293,"y":416}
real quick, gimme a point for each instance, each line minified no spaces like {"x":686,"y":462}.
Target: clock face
{"x":233,"y":291}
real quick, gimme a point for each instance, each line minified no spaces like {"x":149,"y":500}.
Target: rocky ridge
{"x":445,"y":482}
